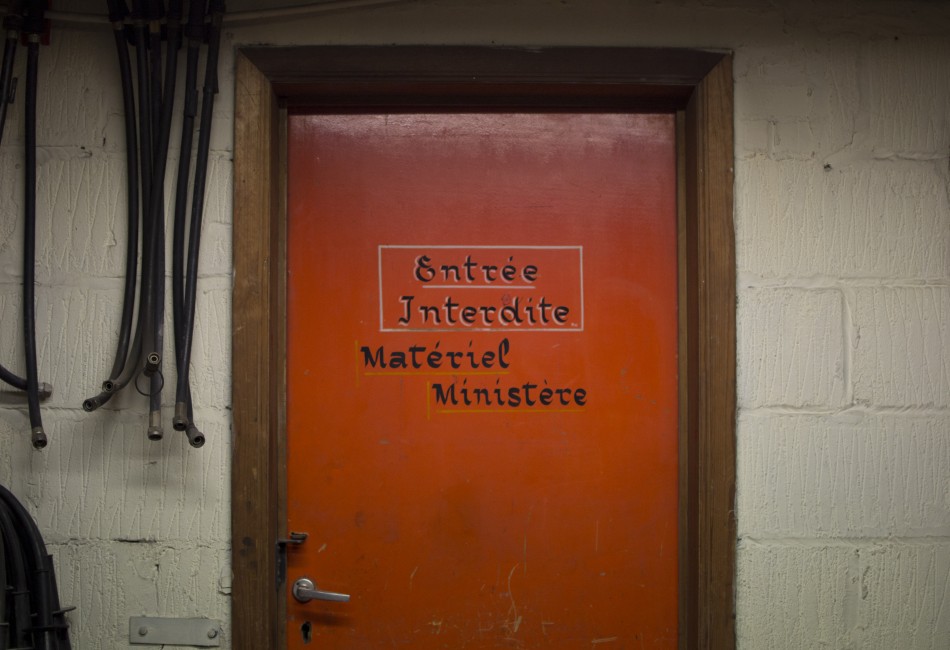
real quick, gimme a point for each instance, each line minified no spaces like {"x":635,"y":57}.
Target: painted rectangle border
{"x":379,"y":268}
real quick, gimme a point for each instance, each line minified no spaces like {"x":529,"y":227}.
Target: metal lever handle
{"x":304,"y":591}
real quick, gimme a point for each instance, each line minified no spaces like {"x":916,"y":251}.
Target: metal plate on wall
{"x":146,"y":630}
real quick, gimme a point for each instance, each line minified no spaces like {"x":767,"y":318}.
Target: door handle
{"x":304,"y":591}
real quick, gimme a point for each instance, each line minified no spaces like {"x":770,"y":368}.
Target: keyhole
{"x":305,"y":632}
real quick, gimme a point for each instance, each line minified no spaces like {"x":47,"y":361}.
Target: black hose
{"x":153,"y":18}
{"x":14,"y":380}
{"x":146,"y":292}
{"x":195,"y":438}
{"x":18,"y":629}
{"x":37,"y":434}
{"x":146,"y":355}
{"x":41,"y":572}
{"x":117,"y":13}
{"x":145,"y":102}
{"x":198,"y":193}
{"x":60,"y":624}
{"x":143,"y":340}
{"x":4,"y":625}
{"x":163,"y":101}
{"x":118,"y":10}
{"x":155,"y":102}
{"x":12,"y":24}
{"x":195,"y":34}
{"x":156,"y":215}
{"x":132,"y":368}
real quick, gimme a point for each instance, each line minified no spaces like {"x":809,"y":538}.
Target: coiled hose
{"x":38,"y":620}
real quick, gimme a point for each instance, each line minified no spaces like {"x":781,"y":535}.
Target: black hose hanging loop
{"x":33,"y":26}
{"x":163,"y":98}
{"x":159,"y":379}
{"x":194,"y":32}
{"x":144,"y":86}
{"x":12,"y":24}
{"x":19,"y":627}
{"x":117,"y":14}
{"x":47,"y":622}
{"x":143,"y":363}
{"x":118,"y":11}
{"x":145,"y":330}
{"x":148,"y":337}
{"x":197,"y":203}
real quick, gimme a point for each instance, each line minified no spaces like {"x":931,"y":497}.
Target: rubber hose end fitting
{"x":180,"y":420}
{"x":195,"y":438}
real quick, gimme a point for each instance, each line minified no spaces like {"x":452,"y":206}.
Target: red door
{"x":482,"y":380}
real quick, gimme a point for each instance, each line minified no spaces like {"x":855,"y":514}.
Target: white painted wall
{"x":843,"y":233}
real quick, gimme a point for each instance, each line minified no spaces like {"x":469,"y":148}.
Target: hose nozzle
{"x":180,"y":420}
{"x":195,"y":438}
{"x":91,"y":404}
{"x":38,"y":438}
{"x":152,"y":362}
{"x":155,"y":432}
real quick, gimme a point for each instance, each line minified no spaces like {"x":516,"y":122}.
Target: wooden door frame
{"x":696,"y":84}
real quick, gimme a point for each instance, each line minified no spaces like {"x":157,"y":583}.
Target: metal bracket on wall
{"x":18,"y":398}
{"x":202,"y":632}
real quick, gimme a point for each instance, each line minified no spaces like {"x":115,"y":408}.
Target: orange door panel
{"x":482,"y":380}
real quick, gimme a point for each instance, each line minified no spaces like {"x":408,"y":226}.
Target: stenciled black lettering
{"x":373,"y":359}
{"x":407,"y":305}
{"x":423,"y":270}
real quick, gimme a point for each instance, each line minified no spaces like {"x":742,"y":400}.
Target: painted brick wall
{"x":843,"y":228}
{"x":843,"y":245}
{"x":135,"y":527}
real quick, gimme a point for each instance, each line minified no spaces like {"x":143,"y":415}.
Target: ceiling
{"x":92,"y":9}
